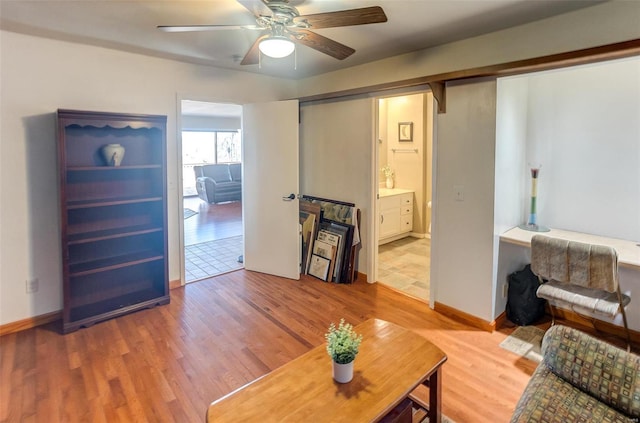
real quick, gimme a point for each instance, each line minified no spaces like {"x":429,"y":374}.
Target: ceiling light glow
{"x":276,"y":47}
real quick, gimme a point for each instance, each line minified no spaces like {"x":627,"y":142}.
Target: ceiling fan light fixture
{"x":276,"y":47}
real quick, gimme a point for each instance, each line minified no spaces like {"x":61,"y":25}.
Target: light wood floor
{"x":168,"y":363}
{"x":213,"y":221}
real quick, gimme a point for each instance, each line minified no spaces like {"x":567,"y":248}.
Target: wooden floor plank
{"x":168,"y":363}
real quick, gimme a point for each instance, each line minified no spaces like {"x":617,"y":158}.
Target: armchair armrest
{"x":606,"y":372}
{"x":205,"y":179}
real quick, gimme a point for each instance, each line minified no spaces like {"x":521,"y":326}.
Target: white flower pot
{"x":389,"y":183}
{"x":342,"y":373}
{"x":113,"y":154}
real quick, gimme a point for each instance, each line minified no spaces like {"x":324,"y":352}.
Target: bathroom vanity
{"x":396,"y":214}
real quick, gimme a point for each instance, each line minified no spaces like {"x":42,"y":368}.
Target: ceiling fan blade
{"x":257,"y":7}
{"x":253,"y":55}
{"x":193,"y":28}
{"x":322,"y":44}
{"x":363,"y":16}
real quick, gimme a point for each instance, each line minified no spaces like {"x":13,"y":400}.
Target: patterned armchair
{"x":581,"y":379}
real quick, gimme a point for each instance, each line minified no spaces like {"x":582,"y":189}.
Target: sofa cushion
{"x":217,"y":172}
{"x":227,"y":187}
{"x":236,"y":171}
{"x":549,"y":398}
{"x":610,"y":374}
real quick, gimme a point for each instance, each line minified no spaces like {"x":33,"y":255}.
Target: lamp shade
{"x":276,"y":47}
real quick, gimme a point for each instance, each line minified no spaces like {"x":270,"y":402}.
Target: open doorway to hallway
{"x":212,"y":188}
{"x":405,"y":141}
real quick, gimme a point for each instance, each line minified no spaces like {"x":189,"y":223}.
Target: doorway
{"x":211,"y":145}
{"x":405,"y":146}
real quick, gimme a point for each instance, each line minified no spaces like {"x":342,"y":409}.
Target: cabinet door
{"x":389,"y":222}
{"x":406,"y":223}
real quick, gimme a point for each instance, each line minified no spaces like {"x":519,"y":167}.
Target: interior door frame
{"x":180,"y":177}
{"x":373,"y":246}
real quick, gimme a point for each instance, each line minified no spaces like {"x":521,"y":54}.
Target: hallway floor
{"x":212,"y":258}
{"x":405,"y":265}
{"x":213,"y":238}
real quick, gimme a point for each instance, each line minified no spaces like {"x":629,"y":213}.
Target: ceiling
{"x":131,"y":26}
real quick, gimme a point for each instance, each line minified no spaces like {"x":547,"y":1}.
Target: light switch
{"x":458,"y":192}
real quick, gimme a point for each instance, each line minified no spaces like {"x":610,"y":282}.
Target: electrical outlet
{"x":505,"y":290}
{"x":32,"y":285}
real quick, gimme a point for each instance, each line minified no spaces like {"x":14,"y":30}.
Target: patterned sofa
{"x":220,"y":182}
{"x":581,"y":379}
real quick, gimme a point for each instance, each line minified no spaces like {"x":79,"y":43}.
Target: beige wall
{"x":606,"y":23}
{"x":38,"y":76}
{"x":383,"y":142}
{"x":462,"y":238}
{"x":429,"y":107}
{"x":407,"y":164}
{"x":336,"y":143}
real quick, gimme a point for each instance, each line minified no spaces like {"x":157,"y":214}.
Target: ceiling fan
{"x":282,"y":25}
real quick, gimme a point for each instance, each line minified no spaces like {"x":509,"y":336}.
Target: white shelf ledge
{"x":628,"y":251}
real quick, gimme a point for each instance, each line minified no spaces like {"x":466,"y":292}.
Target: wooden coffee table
{"x":392,"y":362}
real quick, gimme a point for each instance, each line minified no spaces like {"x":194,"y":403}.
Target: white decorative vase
{"x":342,"y":373}
{"x":389,"y":183}
{"x":113,"y":154}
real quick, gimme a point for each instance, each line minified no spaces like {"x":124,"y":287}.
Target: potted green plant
{"x":388,"y":174}
{"x":342,"y":346}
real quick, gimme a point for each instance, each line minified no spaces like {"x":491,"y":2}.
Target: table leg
{"x":435,"y":397}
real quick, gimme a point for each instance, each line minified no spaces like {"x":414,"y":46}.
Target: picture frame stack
{"x":330,"y":239}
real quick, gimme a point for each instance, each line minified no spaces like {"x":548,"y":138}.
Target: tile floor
{"x":213,"y":239}
{"x":212,"y":258}
{"x":405,"y":264}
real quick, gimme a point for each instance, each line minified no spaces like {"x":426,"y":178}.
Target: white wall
{"x":606,"y":23}
{"x":336,"y":157}
{"x":463,"y":231}
{"x":586,"y":135}
{"x":510,"y":172}
{"x":215,"y":123}
{"x":38,"y":76}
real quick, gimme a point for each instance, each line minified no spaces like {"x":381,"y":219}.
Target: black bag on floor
{"x":523,"y":307}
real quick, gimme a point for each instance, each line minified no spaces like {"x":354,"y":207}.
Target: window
{"x":228,"y":147}
{"x":199,"y":147}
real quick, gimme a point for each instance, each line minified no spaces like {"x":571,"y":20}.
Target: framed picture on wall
{"x":405,"y":131}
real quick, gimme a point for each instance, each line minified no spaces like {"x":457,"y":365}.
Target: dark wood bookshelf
{"x":110,"y":168}
{"x":99,"y":202}
{"x":113,"y":218}
{"x":112,"y":263}
{"x":100,"y":235}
